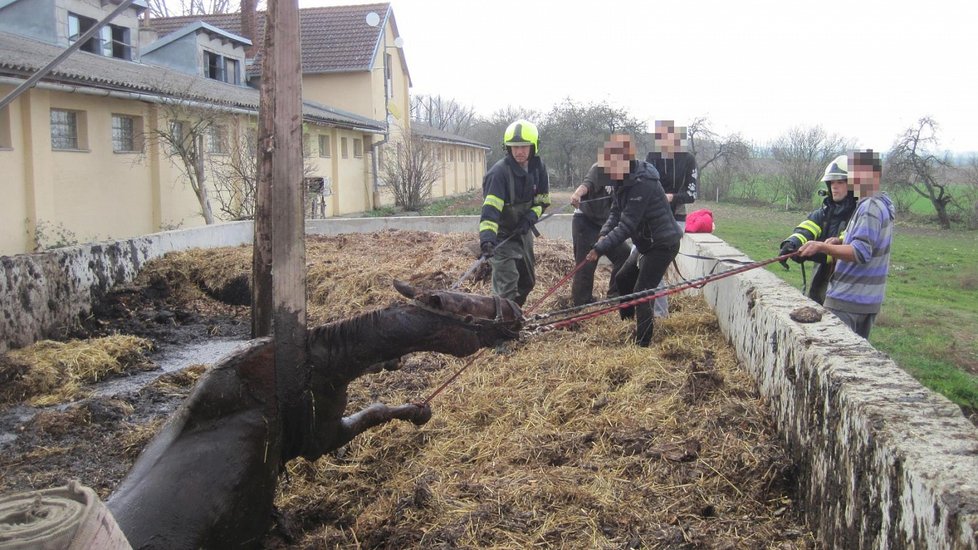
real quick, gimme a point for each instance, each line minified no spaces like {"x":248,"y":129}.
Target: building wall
{"x":30,"y":18}
{"x":347,"y":91}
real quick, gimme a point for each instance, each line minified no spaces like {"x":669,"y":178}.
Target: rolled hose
{"x":70,"y":517}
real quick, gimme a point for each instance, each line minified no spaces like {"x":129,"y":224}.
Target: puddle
{"x":169,"y":360}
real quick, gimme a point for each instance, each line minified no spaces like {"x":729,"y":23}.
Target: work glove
{"x":526,"y":224}
{"x":787,"y":247}
{"x":487,"y":248}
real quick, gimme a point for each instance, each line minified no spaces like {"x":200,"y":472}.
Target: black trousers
{"x":642,"y":272}
{"x":585,"y":234}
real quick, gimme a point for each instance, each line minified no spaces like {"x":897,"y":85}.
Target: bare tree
{"x":801,"y":155}
{"x":172,"y":8}
{"x":235,"y":176}
{"x":444,"y":114}
{"x":572,"y":133}
{"x":912,"y":164}
{"x":970,"y":192}
{"x":409,"y":168}
{"x":721,"y":159}
{"x":188,"y":133}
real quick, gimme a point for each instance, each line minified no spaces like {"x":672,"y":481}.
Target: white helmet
{"x":837,"y":170}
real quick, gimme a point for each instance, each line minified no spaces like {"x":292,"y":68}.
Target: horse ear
{"x":405,"y":289}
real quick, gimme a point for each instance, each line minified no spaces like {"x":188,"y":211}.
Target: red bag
{"x":700,"y":221}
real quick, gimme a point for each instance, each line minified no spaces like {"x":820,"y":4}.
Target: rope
{"x":559,"y":284}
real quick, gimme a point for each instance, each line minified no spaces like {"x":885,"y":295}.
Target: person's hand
{"x":787,"y":247}
{"x":575,"y":200}
{"x":669,"y":197}
{"x":833,"y":240}
{"x":488,"y":248}
{"x":525,"y":225}
{"x":810,"y":248}
{"x":592,"y":255}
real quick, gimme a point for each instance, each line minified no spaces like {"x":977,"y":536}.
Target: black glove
{"x":787,"y":247}
{"x":487,"y":247}
{"x":526,"y":224}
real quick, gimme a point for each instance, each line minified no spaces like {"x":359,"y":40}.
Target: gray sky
{"x":863,"y":69}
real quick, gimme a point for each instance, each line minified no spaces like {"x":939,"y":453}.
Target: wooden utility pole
{"x":279,"y":290}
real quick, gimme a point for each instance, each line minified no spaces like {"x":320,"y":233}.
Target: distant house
{"x":351,"y":64}
{"x":84,"y":155}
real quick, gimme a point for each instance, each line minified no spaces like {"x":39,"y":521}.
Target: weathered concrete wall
{"x":884,"y":462}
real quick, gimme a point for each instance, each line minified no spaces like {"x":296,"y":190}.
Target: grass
{"x":931,"y":309}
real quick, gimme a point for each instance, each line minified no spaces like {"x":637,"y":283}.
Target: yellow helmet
{"x":522,"y":132}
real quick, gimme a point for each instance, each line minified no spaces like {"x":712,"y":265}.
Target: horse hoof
{"x":422,"y":415}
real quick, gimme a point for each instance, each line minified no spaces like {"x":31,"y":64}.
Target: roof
{"x":21,"y":56}
{"x":332,"y":39}
{"x":193,"y":28}
{"x":431,"y":133}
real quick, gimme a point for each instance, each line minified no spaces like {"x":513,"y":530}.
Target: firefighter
{"x":827,"y":221}
{"x":516,"y":191}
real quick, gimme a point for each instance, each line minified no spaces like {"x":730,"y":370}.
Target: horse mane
{"x":342,"y":336}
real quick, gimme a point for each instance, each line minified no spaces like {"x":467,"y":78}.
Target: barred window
{"x":343,"y":150}
{"x":123,"y":134}
{"x":306,"y":146}
{"x":217,"y":140}
{"x":64,"y":129}
{"x":358,"y":148}
{"x":324,"y":146}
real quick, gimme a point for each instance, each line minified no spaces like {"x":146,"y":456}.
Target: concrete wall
{"x":882,"y":462}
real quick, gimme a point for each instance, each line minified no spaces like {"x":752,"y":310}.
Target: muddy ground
{"x":521,"y":468}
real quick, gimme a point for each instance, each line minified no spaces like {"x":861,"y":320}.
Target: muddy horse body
{"x":208,"y":478}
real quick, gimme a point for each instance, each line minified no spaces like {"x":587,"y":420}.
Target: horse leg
{"x":377,"y":414}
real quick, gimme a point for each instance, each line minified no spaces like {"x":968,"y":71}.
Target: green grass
{"x":930,"y":315}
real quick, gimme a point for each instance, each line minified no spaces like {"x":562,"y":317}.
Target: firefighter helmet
{"x":837,"y":170}
{"x":522,"y":132}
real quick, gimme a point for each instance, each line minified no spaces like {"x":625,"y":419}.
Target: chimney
{"x":248,"y":8}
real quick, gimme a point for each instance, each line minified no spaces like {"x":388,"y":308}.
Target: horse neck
{"x":345,"y":348}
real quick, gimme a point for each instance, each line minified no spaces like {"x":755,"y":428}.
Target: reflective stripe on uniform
{"x":489,"y":226}
{"x":803,"y":239}
{"x":538,"y":210}
{"x":542,"y":199}
{"x":811,"y":226}
{"x":494,"y":201}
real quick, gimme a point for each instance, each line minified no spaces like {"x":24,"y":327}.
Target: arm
{"x":833,"y":247}
{"x":492,"y":207}
{"x":634,"y":204}
{"x":575,"y":197}
{"x":687,"y":192}
{"x":542,"y":199}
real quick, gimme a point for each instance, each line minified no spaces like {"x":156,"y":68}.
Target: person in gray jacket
{"x":641,"y":212}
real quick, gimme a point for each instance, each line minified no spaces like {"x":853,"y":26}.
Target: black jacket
{"x":512,"y":193}
{"x":830,"y":220}
{"x":639,"y":210}
{"x":678,"y":176}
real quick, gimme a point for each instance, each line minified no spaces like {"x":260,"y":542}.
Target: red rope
{"x":555,"y":287}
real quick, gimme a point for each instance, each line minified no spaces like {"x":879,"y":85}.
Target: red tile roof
{"x":333,"y":39}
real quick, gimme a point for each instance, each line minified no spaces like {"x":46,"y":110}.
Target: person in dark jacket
{"x":516,"y":191}
{"x":678,"y":176}
{"x":589,"y":217}
{"x":640,"y":211}
{"x":828,"y":221}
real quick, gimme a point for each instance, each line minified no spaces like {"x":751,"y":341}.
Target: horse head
{"x":468,"y":321}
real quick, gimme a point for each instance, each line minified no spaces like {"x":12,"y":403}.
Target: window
{"x":306,"y":146}
{"x":324,"y":146}
{"x":5,"y":140}
{"x":437,"y":154}
{"x":126,"y":133}
{"x":217,"y":140}
{"x":380,"y":154}
{"x":231,"y":71}
{"x":389,"y":75}
{"x":451,"y":155}
{"x":358,"y":148}
{"x":343,"y":151}
{"x":221,"y":68}
{"x":110,"y":40}
{"x":64,"y":129}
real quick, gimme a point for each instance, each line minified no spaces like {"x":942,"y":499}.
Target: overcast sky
{"x":863,"y":69}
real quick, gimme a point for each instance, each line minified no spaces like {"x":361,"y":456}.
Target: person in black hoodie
{"x":829,"y":220}
{"x":640,"y":211}
{"x":678,"y":175}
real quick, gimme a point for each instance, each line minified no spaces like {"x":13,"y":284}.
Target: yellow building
{"x":91,"y":152}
